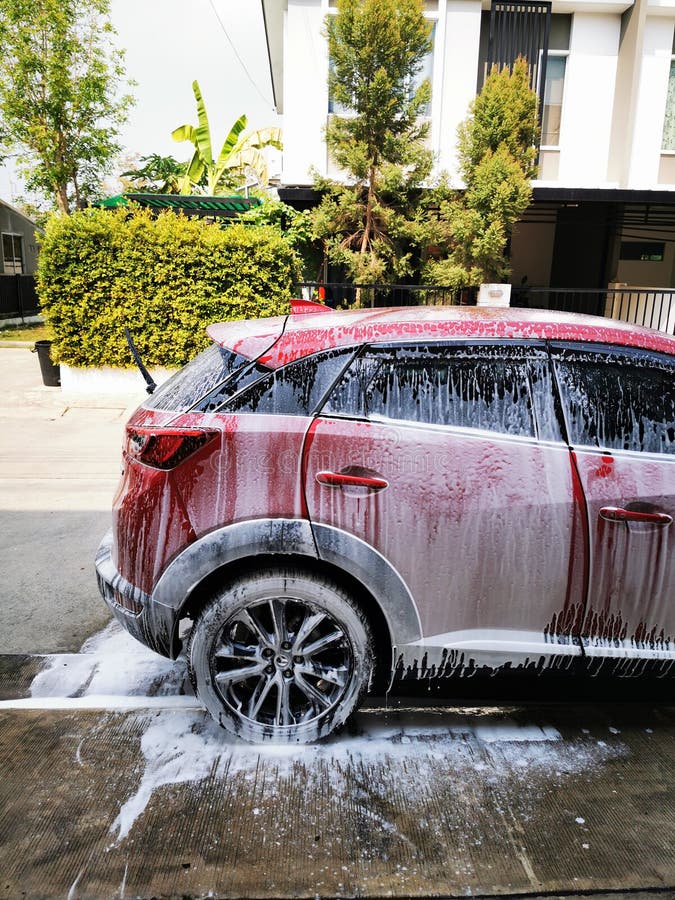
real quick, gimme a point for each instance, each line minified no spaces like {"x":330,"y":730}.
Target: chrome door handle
{"x":616,"y":514}
{"x":338,"y":479}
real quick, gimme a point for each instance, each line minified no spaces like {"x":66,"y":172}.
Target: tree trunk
{"x":77,"y":192}
{"x":61,"y":194}
{"x":368,"y":225}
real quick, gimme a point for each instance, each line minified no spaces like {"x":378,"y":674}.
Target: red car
{"x":367,"y":499}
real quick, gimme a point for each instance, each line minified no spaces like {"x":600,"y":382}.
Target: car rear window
{"x":214,"y":369}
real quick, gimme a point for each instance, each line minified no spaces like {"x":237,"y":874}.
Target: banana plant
{"x":240,"y":153}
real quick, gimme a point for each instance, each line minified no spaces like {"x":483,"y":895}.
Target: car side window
{"x":296,"y":389}
{"x":492,"y":388}
{"x":349,"y":394}
{"x":616,"y":401}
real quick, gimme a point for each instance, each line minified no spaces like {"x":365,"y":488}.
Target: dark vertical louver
{"x":520,"y":29}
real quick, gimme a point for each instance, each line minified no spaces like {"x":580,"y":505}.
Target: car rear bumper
{"x":129,"y":604}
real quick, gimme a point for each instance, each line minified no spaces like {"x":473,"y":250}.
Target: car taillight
{"x":164,"y":448}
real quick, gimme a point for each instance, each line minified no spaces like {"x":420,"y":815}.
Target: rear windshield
{"x":215,"y":368}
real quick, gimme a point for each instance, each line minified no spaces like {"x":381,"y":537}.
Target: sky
{"x":168,"y":45}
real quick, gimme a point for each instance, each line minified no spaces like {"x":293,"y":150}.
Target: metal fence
{"x":18,"y":297}
{"x":342,"y":295}
{"x":653,"y":307}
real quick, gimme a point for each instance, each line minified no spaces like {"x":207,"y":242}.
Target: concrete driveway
{"x":59,"y":466}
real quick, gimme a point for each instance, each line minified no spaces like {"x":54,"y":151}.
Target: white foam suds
{"x":411,"y":748}
{"x":103,"y":701}
{"x":111,"y":663}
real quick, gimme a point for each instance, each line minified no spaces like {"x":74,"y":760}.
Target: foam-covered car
{"x":363,"y":500}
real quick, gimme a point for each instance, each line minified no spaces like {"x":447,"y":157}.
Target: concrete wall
{"x":645,"y":273}
{"x":614,"y":95}
{"x":651,"y":103}
{"x":305,"y":90}
{"x":588,"y":100}
{"x":532,"y":252}
{"x":458,"y":82}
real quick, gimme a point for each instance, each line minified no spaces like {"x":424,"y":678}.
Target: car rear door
{"x":619,"y":408}
{"x":449,"y":461}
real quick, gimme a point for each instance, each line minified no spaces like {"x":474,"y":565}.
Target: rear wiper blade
{"x":139,"y":362}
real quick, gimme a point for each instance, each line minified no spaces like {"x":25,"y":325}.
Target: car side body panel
{"x":495,"y":514}
{"x":630,"y":612}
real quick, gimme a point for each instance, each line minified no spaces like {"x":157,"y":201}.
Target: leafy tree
{"x":497,"y":155}
{"x":504,"y":114}
{"x":239,"y":155}
{"x":61,"y":105}
{"x":159,"y":175}
{"x":377,"y":49}
{"x":295,"y":226}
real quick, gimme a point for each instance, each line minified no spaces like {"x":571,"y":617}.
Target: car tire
{"x":281,"y":655}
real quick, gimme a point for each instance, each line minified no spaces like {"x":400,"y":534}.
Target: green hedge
{"x":165,"y":276}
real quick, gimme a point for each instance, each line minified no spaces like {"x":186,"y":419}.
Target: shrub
{"x":165,"y":277}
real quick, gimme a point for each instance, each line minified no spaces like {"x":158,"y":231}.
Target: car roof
{"x":276,"y":341}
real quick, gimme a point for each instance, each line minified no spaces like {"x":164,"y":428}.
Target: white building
{"x":604,"y":202}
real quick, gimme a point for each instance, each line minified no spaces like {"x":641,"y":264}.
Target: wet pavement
{"x":116,"y":784}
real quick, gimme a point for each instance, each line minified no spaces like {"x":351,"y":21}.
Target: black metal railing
{"x":653,"y":307}
{"x":18,"y":297}
{"x":342,"y":295}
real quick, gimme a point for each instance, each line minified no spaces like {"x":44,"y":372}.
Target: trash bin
{"x":51,"y":374}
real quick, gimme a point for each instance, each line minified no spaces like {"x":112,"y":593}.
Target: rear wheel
{"x":281,"y":655}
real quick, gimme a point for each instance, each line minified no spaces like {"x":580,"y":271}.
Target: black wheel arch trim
{"x":274,"y":537}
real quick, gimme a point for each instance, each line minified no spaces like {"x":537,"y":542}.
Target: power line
{"x":236,"y":53}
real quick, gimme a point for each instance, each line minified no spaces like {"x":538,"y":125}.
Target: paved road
{"x":59,"y":465}
{"x":116,"y":783}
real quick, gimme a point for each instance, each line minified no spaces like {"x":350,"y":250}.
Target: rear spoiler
{"x":302,"y":307}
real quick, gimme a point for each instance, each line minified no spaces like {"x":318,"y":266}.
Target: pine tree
{"x":497,"y":156}
{"x":377,"y":49}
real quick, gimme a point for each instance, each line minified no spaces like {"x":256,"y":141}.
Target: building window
{"x":335,"y":108}
{"x":426,"y":71}
{"x":12,"y":254}
{"x":553,"y":99}
{"x":642,"y":251}
{"x":517,"y":29}
{"x":668,"y":141}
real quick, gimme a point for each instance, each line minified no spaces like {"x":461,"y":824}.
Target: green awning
{"x":220,"y":207}
{"x":112,"y":202}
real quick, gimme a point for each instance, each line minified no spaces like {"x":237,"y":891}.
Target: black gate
{"x":18,"y":297}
